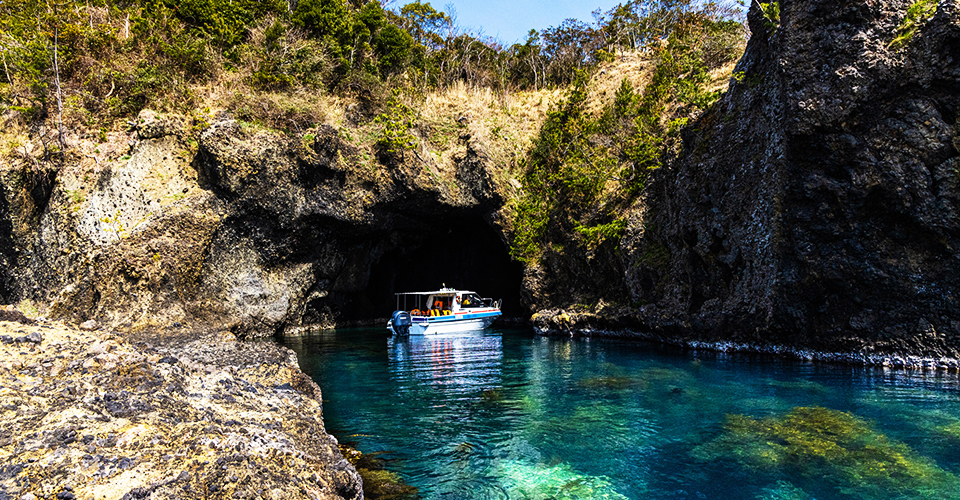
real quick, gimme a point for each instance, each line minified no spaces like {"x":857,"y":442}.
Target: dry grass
{"x":14,"y":135}
{"x":505,"y":123}
{"x":294,"y":111}
{"x":635,"y":66}
{"x":720,"y":77}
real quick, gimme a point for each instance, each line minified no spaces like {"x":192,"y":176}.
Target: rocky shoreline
{"x":559,"y":322}
{"x":93,"y":414}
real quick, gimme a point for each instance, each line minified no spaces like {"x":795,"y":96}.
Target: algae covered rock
{"x":827,"y":452}
{"x":560,"y":482}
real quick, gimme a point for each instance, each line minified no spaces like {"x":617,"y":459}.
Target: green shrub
{"x":530,"y":216}
{"x":396,"y":120}
{"x":225,"y":22}
{"x":594,"y":236}
{"x":771,"y":16}
{"x":329,"y":20}
{"x":283,"y":57}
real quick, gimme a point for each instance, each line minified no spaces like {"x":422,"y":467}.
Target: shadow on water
{"x":505,"y":414}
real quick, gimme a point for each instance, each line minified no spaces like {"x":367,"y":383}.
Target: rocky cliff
{"x":180,"y":247}
{"x":89,"y":414}
{"x":816,"y":205}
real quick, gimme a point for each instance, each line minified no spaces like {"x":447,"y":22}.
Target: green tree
{"x":394,"y":47}
{"x":385,"y":48}
{"x":425,"y":24}
{"x":330,"y":20}
{"x":223,"y":22}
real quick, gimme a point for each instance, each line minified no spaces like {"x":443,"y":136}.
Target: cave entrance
{"x":467,"y":255}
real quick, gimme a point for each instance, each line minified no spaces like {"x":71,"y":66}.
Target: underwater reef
{"x":828,"y":453}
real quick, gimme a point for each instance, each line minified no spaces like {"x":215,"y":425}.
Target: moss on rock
{"x":825,"y":448}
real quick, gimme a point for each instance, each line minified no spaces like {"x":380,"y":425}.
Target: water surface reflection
{"x":505,"y":414}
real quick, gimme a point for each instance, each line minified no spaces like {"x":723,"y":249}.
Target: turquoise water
{"x":503,"y":414}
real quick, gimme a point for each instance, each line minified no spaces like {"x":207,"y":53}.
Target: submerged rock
{"x":830,"y":451}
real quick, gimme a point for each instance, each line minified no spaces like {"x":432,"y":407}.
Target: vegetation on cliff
{"x":570,"y":121}
{"x":102,"y":60}
{"x":587,"y":166}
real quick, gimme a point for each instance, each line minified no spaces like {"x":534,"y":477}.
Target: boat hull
{"x":461,"y":322}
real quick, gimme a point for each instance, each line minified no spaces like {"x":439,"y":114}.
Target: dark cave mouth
{"x":466,"y":254}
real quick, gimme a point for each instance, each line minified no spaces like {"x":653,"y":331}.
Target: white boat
{"x":446,"y":310}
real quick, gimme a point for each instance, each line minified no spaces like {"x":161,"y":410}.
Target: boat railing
{"x":492,"y":303}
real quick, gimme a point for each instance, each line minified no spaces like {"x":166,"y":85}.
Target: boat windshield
{"x":471,"y":300}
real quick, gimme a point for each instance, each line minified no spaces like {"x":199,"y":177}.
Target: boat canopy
{"x":443,"y":299}
{"x":444,"y":291}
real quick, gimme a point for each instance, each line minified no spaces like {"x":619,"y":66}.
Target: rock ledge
{"x":88,"y":414}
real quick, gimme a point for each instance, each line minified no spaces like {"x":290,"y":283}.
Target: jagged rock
{"x":254,"y":231}
{"x":8,"y":313}
{"x":151,"y":125}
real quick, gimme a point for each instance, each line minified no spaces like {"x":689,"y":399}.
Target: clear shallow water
{"x":502,"y":414}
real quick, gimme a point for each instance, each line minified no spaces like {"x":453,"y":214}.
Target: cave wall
{"x":467,"y":254}
{"x":7,"y":252}
{"x":816,"y":204}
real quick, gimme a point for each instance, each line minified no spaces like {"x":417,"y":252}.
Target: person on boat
{"x":437,"y":308}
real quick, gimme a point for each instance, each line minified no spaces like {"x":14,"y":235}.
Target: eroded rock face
{"x":820,"y":207}
{"x":249,"y":230}
{"x":7,"y":252}
{"x":92,"y":415}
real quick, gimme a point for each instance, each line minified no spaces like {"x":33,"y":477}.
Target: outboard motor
{"x":401,"y":322}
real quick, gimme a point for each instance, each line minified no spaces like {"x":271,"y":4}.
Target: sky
{"x":510,"y":20}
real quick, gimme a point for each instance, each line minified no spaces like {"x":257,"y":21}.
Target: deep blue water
{"x":505,"y":414}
